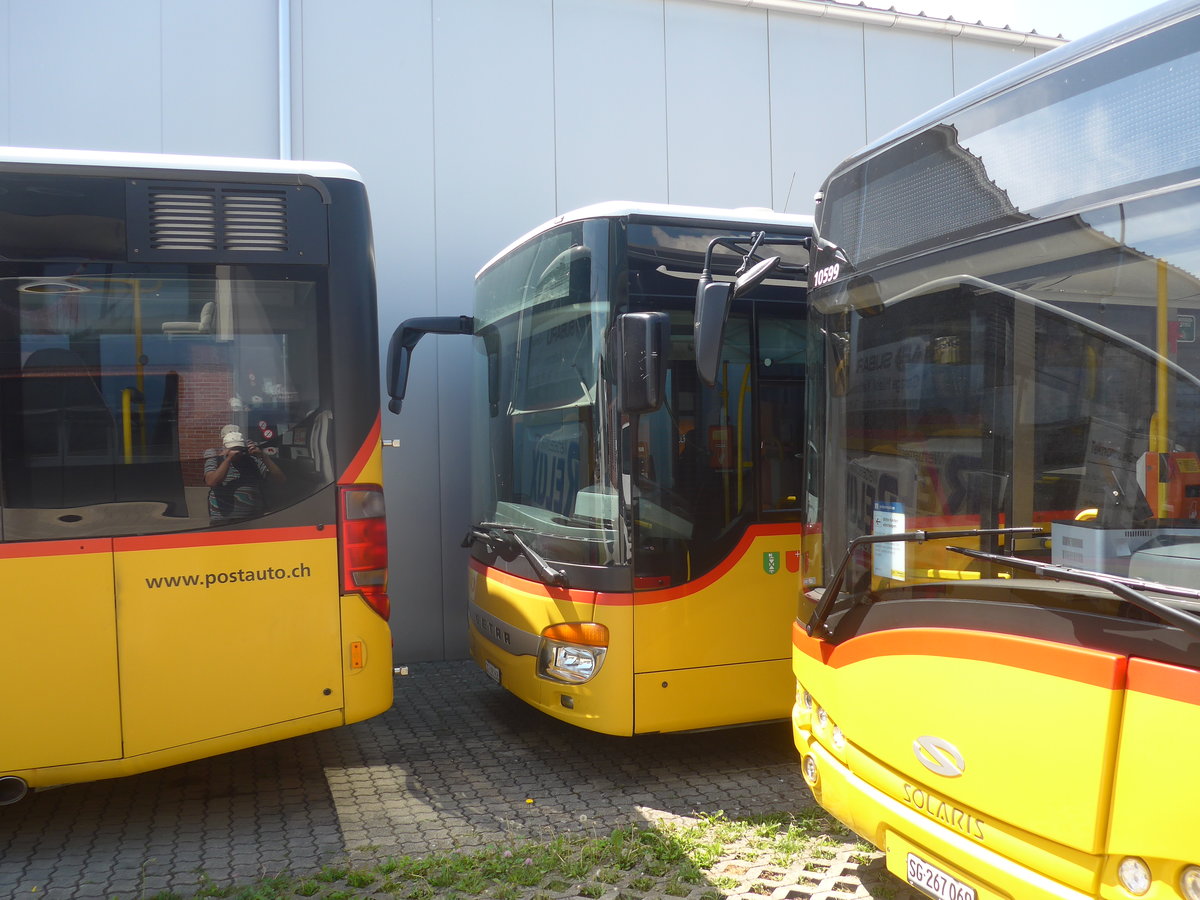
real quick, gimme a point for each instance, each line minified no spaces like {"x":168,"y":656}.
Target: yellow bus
{"x":634,"y":564}
{"x":998,"y":668}
{"x":192,"y":533}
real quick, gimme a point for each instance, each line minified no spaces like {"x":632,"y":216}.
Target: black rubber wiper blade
{"x":1129,"y":589}
{"x":492,"y":531}
{"x":817,"y":621}
{"x":508,"y":536}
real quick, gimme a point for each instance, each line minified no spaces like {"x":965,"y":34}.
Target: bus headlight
{"x":802,"y":708}
{"x":838,"y":740}
{"x":1189,"y":883}
{"x":572,"y":652}
{"x":1134,"y":875}
{"x":811,"y":774}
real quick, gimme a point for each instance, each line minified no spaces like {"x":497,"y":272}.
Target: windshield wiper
{"x":1128,"y":589}
{"x":817,"y":621}
{"x":507,"y":536}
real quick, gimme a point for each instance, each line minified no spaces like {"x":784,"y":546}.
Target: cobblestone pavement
{"x":457,"y":763}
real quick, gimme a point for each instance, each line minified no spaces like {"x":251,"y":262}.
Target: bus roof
{"x":76,"y":159}
{"x":1031,"y":70}
{"x":613,"y":209}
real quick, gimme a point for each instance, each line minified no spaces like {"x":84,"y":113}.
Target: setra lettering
{"x":491,"y":630}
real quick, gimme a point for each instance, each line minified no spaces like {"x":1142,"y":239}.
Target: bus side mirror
{"x":753,"y":277}
{"x":642,"y":340}
{"x":491,"y":346}
{"x":405,"y":338}
{"x":713,"y":299}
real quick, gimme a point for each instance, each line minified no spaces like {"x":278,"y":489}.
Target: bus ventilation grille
{"x":212,"y":219}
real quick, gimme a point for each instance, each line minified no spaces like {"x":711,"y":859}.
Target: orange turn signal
{"x":587,"y":634}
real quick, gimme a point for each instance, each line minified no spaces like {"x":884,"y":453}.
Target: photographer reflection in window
{"x":235,"y":476}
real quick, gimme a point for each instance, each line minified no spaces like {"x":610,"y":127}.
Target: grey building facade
{"x":473,"y":121}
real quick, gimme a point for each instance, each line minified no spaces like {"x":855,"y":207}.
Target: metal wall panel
{"x":85,"y":75}
{"x":816,"y":120}
{"x":386,"y":133}
{"x":976,"y":62}
{"x":493,"y":83}
{"x":219,"y":83}
{"x":906,"y":74}
{"x":5,"y":65}
{"x":719,"y":153}
{"x":609,"y":101}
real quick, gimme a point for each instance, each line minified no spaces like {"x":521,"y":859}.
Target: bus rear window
{"x":117,"y":390}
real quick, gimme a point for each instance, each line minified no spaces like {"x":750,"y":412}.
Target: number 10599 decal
{"x":825,"y":275}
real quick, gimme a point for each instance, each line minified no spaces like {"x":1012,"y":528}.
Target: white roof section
{"x":173,"y":162}
{"x":751,"y":216}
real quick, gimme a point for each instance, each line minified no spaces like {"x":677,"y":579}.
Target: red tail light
{"x":362,"y":528}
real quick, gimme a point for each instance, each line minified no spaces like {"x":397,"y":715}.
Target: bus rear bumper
{"x":78,"y":773}
{"x":902,"y":833}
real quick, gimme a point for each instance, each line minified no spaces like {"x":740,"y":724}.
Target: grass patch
{"x":669,"y":857}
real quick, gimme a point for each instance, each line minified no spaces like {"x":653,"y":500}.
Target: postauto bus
{"x":999,"y":684}
{"x":192,"y":535}
{"x":634,"y":560}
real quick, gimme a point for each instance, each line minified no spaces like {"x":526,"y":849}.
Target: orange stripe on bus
{"x":1164,"y":680}
{"x":363,"y":456}
{"x":811,"y":647}
{"x":1105,"y":670}
{"x":34,"y":549}
{"x":639,"y":598}
{"x":530,"y":586}
{"x":224,"y":538}
{"x":753,"y":532}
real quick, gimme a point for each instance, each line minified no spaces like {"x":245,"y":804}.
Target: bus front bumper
{"x":904,"y":835}
{"x":602,"y":704}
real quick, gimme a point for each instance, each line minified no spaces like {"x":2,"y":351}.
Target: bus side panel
{"x":224,"y":632}
{"x":712,"y":697}
{"x":367,"y":666}
{"x":506,"y":618}
{"x":739,"y":613}
{"x":1160,"y":733}
{"x":58,"y":670}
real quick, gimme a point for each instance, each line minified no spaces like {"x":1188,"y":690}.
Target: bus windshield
{"x":1056,"y":387}
{"x":562,"y":464}
{"x":550,"y":466}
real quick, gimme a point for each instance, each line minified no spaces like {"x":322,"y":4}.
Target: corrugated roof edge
{"x":892,"y":18}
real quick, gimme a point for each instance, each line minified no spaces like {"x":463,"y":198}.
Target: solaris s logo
{"x":939,"y":756}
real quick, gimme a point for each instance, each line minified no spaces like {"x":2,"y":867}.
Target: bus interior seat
{"x":203,"y":326}
{"x":68,"y":433}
